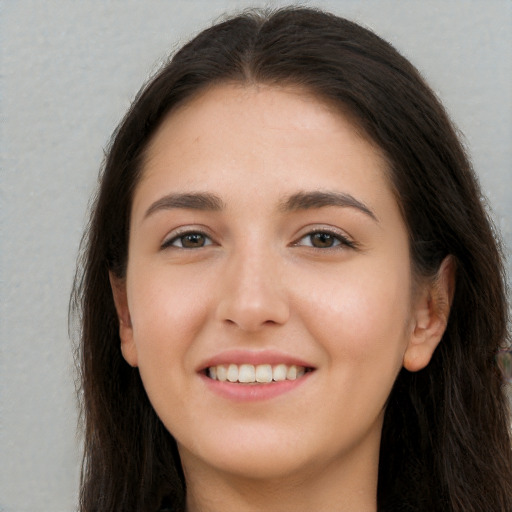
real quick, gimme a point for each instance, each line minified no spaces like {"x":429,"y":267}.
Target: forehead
{"x":258,"y":134}
{"x":258,"y":103}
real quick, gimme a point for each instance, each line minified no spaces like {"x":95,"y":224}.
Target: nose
{"x":252,"y":291}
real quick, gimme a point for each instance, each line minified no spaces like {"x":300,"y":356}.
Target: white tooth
{"x":264,"y":373}
{"x":232,"y":373}
{"x":300,"y":371}
{"x":279,"y":372}
{"x":222,"y":373}
{"x":291,"y":374}
{"x":212,"y":372}
{"x":246,"y":373}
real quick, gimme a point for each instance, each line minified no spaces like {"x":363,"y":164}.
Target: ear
{"x":431,"y":312}
{"x":128,"y":347}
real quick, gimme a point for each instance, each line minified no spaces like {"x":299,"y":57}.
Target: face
{"x":267,"y":301}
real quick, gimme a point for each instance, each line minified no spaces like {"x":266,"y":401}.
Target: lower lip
{"x":254,"y":392}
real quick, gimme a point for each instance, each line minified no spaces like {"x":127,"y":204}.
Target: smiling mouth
{"x":256,"y":374}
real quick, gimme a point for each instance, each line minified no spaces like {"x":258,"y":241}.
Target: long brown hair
{"x":446,"y":442}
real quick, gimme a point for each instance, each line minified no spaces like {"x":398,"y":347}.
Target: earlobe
{"x":128,"y":347}
{"x":431,"y":317}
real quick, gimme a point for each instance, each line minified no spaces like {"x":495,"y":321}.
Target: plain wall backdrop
{"x":69,"y":70}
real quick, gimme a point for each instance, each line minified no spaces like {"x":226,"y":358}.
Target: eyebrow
{"x":320,"y":199}
{"x":190,"y":201}
{"x":299,"y":201}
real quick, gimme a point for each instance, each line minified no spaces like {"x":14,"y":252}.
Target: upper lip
{"x":254,"y":357}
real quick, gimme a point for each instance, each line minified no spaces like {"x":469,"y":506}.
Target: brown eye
{"x":323,"y":240}
{"x":192,"y":240}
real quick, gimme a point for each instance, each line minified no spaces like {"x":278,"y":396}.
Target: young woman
{"x":291,"y":295}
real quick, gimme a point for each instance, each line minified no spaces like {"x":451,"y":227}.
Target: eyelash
{"x":170,"y":242}
{"x":339,"y":240}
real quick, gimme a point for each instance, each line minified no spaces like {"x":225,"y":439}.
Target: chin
{"x":261,"y":466}
{"x":257,"y":456}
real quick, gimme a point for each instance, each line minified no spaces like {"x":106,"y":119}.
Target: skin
{"x":258,"y":283}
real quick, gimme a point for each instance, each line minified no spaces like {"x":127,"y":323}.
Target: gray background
{"x":68,"y":71}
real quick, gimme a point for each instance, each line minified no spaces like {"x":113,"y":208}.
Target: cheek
{"x":167,"y":312}
{"x":362,"y":316}
{"x":359,"y":317}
